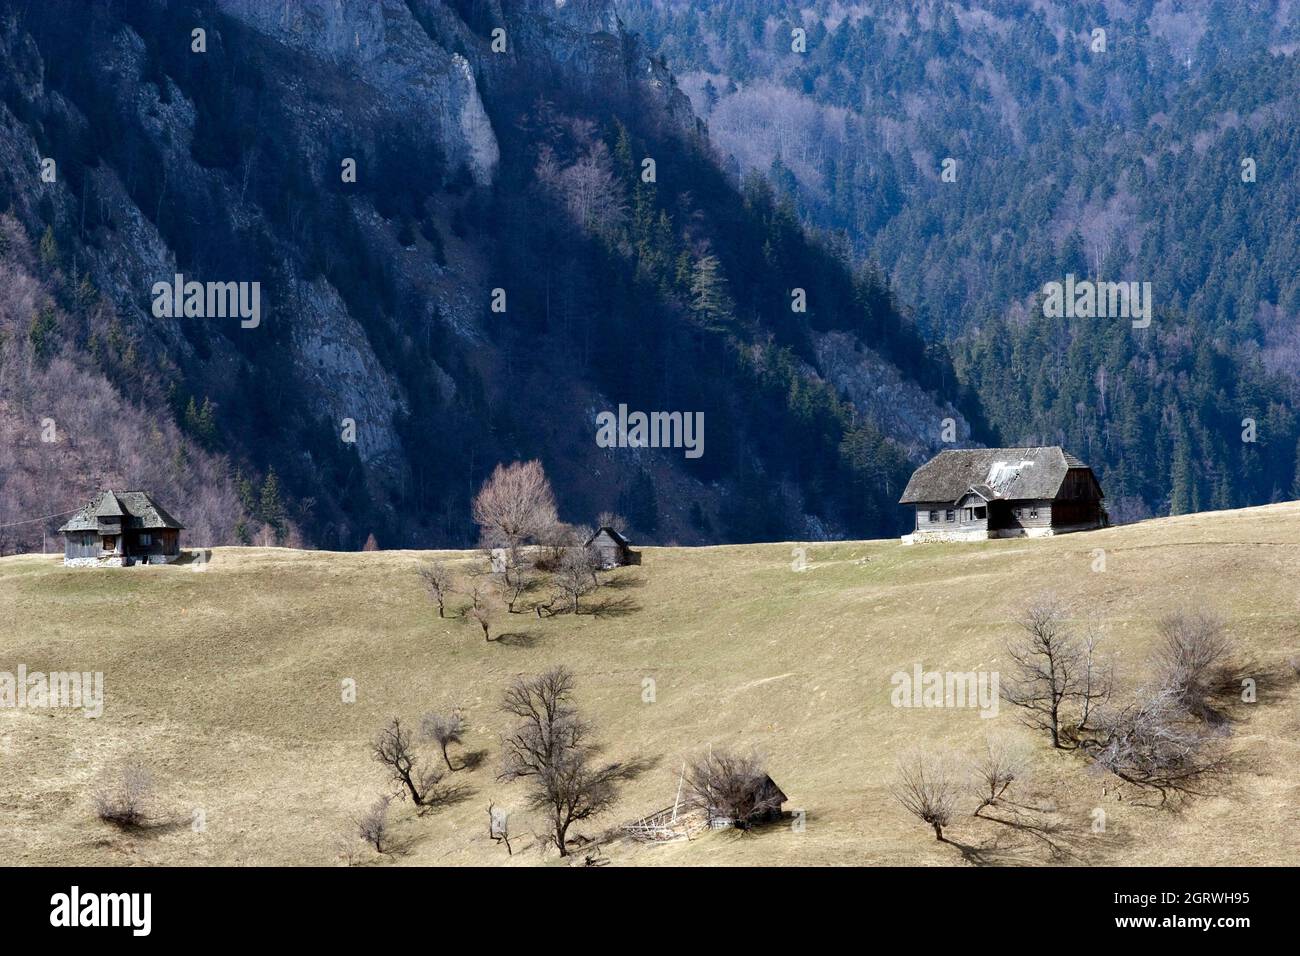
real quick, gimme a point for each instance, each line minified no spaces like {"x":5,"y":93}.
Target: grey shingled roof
{"x":136,"y":507}
{"x":614,"y":535}
{"x":109,"y":506}
{"x":994,"y":473}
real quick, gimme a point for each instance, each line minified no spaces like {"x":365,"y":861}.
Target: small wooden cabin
{"x":973,"y":494}
{"x":119,"y":530}
{"x":613,"y":549}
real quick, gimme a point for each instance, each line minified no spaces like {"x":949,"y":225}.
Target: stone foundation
{"x":976,"y":534}
{"x":119,"y":561}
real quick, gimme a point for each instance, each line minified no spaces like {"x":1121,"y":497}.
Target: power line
{"x":14,"y":524}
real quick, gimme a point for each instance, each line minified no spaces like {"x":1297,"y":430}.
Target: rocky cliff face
{"x":392,"y":68}
{"x":231,"y":163}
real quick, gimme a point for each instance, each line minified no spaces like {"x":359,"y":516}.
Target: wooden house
{"x":119,"y":530}
{"x":978,"y":493}
{"x":613,"y":549}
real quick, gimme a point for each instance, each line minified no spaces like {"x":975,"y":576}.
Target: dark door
{"x":1000,"y":516}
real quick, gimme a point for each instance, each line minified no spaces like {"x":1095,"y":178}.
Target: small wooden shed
{"x":613,"y":549}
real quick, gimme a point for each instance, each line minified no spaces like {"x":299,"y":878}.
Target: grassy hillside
{"x":227,"y":683}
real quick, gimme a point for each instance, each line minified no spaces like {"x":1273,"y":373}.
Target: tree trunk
{"x":561,"y":832}
{"x":410,"y":785}
{"x":938,"y":832}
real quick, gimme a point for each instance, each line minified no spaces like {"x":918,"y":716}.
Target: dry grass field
{"x":227,"y":683}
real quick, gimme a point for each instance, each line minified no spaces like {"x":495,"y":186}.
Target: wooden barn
{"x":613,"y":549}
{"x":119,"y":530}
{"x":973,"y":494}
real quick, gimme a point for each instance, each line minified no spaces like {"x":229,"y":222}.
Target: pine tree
{"x":271,"y":509}
{"x":42,"y":336}
{"x":207,"y":422}
{"x":49,"y":249}
{"x":709,"y":299}
{"x":244,"y":489}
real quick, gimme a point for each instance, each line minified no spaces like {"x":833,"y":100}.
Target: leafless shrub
{"x":558,"y":539}
{"x":730,"y":786}
{"x":926,"y":789}
{"x":551,"y":749}
{"x":444,"y":730}
{"x":439,"y":582}
{"x":348,"y":844}
{"x":125,"y":802}
{"x":993,"y":771}
{"x":1156,"y":743}
{"x":392,"y":748}
{"x":499,"y":827}
{"x":372,"y":826}
{"x":1194,"y":660}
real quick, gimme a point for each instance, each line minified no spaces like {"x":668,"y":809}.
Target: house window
{"x":934,"y":517}
{"x":146,"y":540}
{"x":947,"y":515}
{"x":1033,"y":512}
{"x":110,"y":542}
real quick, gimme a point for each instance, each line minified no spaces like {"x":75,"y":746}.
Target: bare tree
{"x":609,"y":519}
{"x":126,"y":800}
{"x":994,"y":770}
{"x":480,"y":610}
{"x":392,"y":748}
{"x":730,"y":786}
{"x":576,"y":576}
{"x":557,"y":539}
{"x":372,"y":826}
{"x":1049,"y":669}
{"x":551,"y":748}
{"x":444,"y":730}
{"x":1194,"y":660}
{"x":499,"y":827}
{"x":438,"y":581}
{"x":1156,"y":743}
{"x":515,"y":505}
{"x":1098,"y":679}
{"x":926,"y":789}
{"x":512,"y":587}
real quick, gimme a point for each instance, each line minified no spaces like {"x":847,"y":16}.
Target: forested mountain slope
{"x":387,"y":177}
{"x":1161,"y":150}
